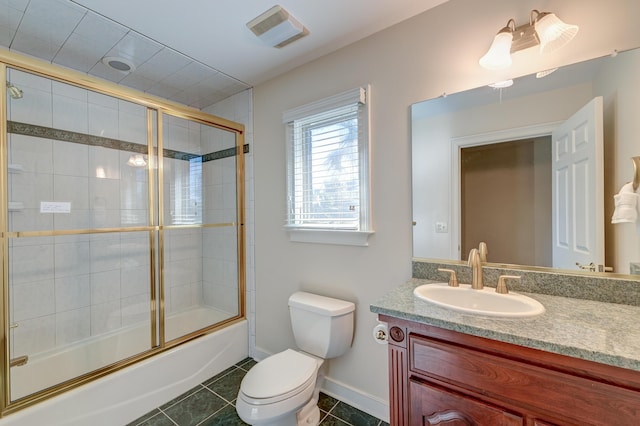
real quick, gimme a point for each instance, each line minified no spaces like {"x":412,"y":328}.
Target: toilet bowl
{"x":277,"y":388}
{"x":283,"y":388}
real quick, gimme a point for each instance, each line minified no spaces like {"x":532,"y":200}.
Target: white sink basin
{"x":480,"y":302}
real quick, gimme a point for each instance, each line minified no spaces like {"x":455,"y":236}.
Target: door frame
{"x":479,"y":139}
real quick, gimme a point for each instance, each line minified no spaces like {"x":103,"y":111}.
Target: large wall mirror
{"x":485,"y":168}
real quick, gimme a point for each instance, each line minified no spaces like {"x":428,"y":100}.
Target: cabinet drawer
{"x":432,"y":406}
{"x":519,"y":384}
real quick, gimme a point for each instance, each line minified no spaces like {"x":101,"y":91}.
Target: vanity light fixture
{"x":137,"y":160}
{"x":14,"y":92}
{"x":544,"y":29}
{"x":499,"y":54}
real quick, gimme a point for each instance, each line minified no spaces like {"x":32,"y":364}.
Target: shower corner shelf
{"x":15,"y":206}
{"x":15,"y":168}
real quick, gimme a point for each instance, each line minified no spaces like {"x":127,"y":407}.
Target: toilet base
{"x":309,"y":415}
{"x":299,"y":410}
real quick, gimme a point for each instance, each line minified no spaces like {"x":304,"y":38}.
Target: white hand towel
{"x":626,"y":205}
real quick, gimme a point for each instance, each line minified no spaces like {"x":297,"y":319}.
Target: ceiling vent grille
{"x":277,"y":27}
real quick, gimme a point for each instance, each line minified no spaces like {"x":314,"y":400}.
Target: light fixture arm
{"x":510,"y":27}
{"x":533,"y":16}
{"x":536,"y":15}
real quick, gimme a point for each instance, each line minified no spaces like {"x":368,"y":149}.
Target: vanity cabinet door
{"x":432,"y":405}
{"x":544,"y":393}
{"x":538,"y":422}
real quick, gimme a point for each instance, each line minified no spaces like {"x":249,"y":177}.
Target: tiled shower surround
{"x":70,"y":145}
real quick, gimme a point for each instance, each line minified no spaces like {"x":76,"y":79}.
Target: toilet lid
{"x":278,"y":374}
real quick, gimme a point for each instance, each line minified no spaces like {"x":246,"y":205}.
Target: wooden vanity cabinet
{"x":442,"y":377}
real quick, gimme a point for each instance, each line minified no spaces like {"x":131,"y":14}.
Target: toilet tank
{"x":322,"y":326}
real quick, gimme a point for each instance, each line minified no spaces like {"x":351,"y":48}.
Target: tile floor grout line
{"x":333,"y":407}
{"x":213,"y":414}
{"x":167,"y":416}
{"x":188,"y":394}
{"x":223,"y":376}
{"x":220,"y":396}
{"x":339,"y":419}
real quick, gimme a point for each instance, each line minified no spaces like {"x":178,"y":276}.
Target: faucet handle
{"x":474,"y":256}
{"x":453,"y":278}
{"x":483,"y":251}
{"x":502,"y":284}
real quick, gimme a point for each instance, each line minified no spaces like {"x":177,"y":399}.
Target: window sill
{"x":326,"y":236}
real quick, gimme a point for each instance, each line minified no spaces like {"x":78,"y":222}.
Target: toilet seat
{"x":279,"y":377}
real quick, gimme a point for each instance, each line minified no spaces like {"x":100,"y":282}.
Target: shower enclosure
{"x":121,"y":228}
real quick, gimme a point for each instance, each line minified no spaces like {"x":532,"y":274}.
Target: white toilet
{"x":283,"y":388}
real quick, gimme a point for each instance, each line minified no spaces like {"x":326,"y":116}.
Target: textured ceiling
{"x":69,"y":35}
{"x":195,"y":52}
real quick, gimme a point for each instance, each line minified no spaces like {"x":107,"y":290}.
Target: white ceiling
{"x":196,"y":52}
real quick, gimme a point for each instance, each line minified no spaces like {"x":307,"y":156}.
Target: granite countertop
{"x":607,"y":333}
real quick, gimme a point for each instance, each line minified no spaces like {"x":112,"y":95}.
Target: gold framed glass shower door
{"x":79,"y":232}
{"x":107,"y":232}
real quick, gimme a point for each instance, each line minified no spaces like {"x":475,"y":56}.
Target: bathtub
{"x":127,"y":394}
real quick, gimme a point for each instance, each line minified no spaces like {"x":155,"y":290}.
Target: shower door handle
{"x":19,"y":361}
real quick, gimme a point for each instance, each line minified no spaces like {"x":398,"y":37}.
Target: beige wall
{"x":421,"y":58}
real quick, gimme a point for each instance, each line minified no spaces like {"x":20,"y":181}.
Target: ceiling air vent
{"x":277,"y":27}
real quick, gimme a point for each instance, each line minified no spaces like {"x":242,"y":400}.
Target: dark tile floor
{"x":213,"y":403}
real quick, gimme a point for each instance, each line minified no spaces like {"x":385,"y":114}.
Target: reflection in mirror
{"x":468,"y":185}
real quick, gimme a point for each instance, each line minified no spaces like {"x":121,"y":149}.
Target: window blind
{"x":326,"y":175}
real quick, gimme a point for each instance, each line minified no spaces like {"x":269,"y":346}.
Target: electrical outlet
{"x":442,"y":228}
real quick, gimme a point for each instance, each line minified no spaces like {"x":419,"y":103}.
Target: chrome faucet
{"x":476,"y":269}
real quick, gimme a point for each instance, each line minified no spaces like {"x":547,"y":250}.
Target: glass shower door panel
{"x":220,"y":243}
{"x":220,"y":177}
{"x":79,"y":247}
{"x":200,"y":222}
{"x":77,"y":303}
{"x":220,"y":278}
{"x":184,"y":311}
{"x":77,"y":158}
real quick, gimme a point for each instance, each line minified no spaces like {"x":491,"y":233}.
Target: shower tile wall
{"x":70,"y":288}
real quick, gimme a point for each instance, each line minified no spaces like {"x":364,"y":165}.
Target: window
{"x":185,"y":192}
{"x":328,"y":170}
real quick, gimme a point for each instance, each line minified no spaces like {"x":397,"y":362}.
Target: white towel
{"x":626,"y":205}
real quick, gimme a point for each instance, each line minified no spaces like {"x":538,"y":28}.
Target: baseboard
{"x":259,"y":354}
{"x":357,"y":399}
{"x":354,"y":397}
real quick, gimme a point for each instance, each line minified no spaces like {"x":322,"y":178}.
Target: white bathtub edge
{"x":125,"y":395}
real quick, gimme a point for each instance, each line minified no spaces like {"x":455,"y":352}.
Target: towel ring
{"x":636,"y":172}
